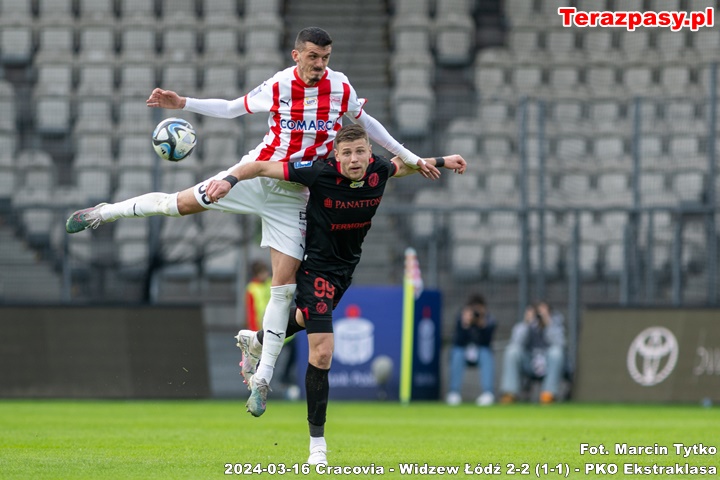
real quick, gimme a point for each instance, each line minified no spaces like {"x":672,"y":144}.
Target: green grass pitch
{"x":63,"y":439}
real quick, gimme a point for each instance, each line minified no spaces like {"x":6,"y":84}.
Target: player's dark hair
{"x":258,"y":267}
{"x":315,"y":35}
{"x":476,"y":299}
{"x":350,"y":133}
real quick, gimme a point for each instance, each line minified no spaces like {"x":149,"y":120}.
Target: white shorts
{"x":280,"y":205}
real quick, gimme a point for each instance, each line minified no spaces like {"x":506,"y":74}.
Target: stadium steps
{"x":360,"y":42}
{"x":24,"y":278}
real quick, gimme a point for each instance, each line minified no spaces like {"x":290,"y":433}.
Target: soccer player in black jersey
{"x":345,"y":192}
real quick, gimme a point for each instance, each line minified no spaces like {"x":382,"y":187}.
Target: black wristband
{"x":439,"y":162}
{"x":231,"y":180}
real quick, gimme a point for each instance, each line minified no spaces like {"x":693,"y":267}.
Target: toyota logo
{"x":652,"y":356}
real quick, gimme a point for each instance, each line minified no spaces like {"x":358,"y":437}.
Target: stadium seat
{"x":221,"y":13}
{"x":36,"y":167}
{"x":609,"y":149}
{"x":706,"y":43}
{"x":601,"y":79}
{"x":221,"y":81}
{"x":637,"y":79}
{"x":552,"y":259}
{"x":454,"y":39}
{"x":96,"y":79}
{"x":524,"y":43}
{"x":134,"y":117}
{"x":136,"y":80}
{"x":566,"y":114}
{"x":94,"y":149}
{"x":181,"y":14}
{"x":17,"y":45}
{"x":131,"y":245}
{"x":138,"y":43}
{"x":136,"y":12}
{"x":263,"y":33}
{"x":55,"y":44}
{"x":504,"y":262}
{"x":180,"y":248}
{"x":425,"y":224}
{"x":491,"y":81}
{"x":519,"y":13}
{"x":635,"y":45}
{"x":179,"y":77}
{"x":495,"y":116}
{"x":54,"y":79}
{"x":412,"y":108}
{"x":468,"y":255}
{"x":52,"y":114}
{"x":220,"y":239}
{"x":606,"y":114}
{"x":55,"y":12}
{"x":562,"y":45}
{"x":405,"y":8}
{"x":689,"y":186}
{"x":94,"y":183}
{"x":137,"y":181}
{"x":614,"y":189}
{"x":598,"y":45}
{"x":96,"y":45}
{"x":96,"y":12}
{"x":614,"y":260}
{"x":94,"y":114}
{"x":527,"y":79}
{"x":178,"y":46}
{"x":495,"y":145}
{"x":13,"y":13}
{"x":221,"y":47}
{"x":565,"y":78}
{"x":502,"y":187}
{"x":675,"y":80}
{"x":255,"y":8}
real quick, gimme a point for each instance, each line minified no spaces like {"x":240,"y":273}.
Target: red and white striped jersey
{"x":302,"y":120}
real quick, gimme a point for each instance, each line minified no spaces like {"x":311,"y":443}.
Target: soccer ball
{"x":174,"y":139}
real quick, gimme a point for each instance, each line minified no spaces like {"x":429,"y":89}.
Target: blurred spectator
{"x":472,"y":347}
{"x":535,"y":350}
{"x":257,"y":294}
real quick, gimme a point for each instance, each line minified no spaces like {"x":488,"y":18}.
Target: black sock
{"x":292,"y":328}
{"x":317,"y":389}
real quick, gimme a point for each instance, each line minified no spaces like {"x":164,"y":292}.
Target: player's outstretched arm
{"x":381,"y":136}
{"x":160,"y":98}
{"x":452,"y":162}
{"x":217,"y":189}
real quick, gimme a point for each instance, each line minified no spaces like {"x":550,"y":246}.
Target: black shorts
{"x":318,"y":293}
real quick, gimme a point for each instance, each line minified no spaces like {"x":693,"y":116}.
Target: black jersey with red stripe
{"x":339,"y":210}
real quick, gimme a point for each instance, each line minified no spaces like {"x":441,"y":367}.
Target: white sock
{"x":317,"y":442}
{"x":147,"y":205}
{"x":255,"y":345}
{"x":275,"y":323}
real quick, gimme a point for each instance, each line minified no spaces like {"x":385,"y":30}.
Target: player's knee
{"x":321,"y":356}
{"x":187,"y":203}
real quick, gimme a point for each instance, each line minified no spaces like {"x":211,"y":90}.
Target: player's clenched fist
{"x":217,"y":189}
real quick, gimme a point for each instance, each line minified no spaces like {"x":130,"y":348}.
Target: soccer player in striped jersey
{"x":345,"y":192}
{"x":306,"y":104}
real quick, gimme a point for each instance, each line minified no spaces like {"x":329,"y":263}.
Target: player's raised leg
{"x":147,"y":205}
{"x":275,"y":323}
